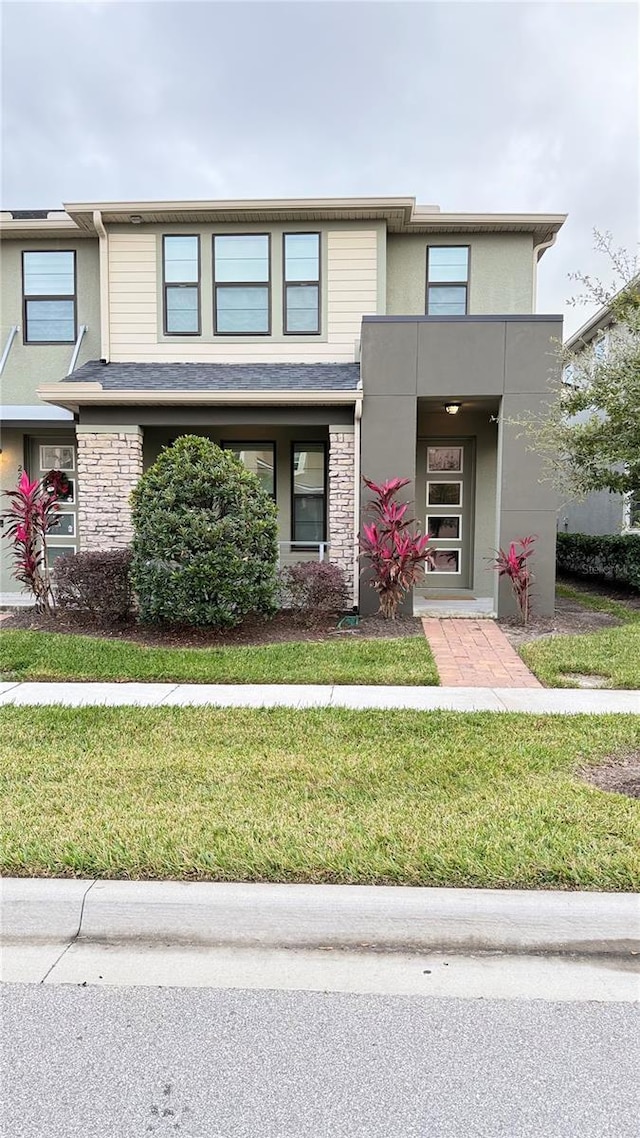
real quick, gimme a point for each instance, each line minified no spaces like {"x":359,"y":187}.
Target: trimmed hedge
{"x":96,"y":583}
{"x":205,"y":545}
{"x":607,"y":558}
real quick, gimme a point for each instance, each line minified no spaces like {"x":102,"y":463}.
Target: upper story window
{"x":601,"y":346}
{"x":49,"y":297}
{"x":447,"y":280}
{"x":181,"y":275}
{"x":301,"y":283}
{"x":242,"y":285}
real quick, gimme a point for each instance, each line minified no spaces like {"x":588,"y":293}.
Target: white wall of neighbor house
{"x":352,"y":272}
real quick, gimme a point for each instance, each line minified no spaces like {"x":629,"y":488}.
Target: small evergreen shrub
{"x":612,"y":557}
{"x":310,"y":587}
{"x":96,"y":583}
{"x":205,"y":545}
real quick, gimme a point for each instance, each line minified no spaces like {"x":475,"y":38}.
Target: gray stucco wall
{"x":29,"y":365}
{"x":510,"y":360}
{"x":500,"y":272}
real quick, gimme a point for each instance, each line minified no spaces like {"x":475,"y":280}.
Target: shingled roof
{"x":218,"y":377}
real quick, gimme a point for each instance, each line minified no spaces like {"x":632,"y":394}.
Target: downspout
{"x":7,"y":348}
{"x":76,"y":351}
{"x":538,"y":250}
{"x":104,"y":285}
{"x":356,"y":501}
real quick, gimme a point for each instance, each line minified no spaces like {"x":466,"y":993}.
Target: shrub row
{"x":609,"y":558}
{"x":100,"y":584}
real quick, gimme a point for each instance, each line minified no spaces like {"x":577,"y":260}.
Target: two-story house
{"x":321,"y":340}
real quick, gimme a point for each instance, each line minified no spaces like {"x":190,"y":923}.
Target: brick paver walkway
{"x":475,"y":654}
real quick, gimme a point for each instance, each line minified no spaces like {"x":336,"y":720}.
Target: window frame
{"x":301,"y":445}
{"x":303,"y":284}
{"x":257,"y":444}
{"x":448,"y":284}
{"x":181,"y":284}
{"x":69,"y":296}
{"x":241,"y":284}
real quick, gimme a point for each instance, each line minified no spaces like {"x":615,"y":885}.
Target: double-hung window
{"x":447,"y":280}
{"x":181,"y":277}
{"x":49,"y":297}
{"x":242,"y":287}
{"x":308,"y":477}
{"x":301,"y":284}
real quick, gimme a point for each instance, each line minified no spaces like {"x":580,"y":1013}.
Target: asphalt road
{"x":91,"y":1062}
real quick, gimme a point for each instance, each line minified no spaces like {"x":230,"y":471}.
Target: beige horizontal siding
{"x":135,"y":322}
{"x":133,"y":306}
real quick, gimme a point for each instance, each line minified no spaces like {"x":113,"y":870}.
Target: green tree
{"x":590,"y":438}
{"x":205,"y":545}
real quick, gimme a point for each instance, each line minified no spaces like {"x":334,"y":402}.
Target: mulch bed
{"x":282,"y":628}
{"x":619,"y":774}
{"x":569,"y":619}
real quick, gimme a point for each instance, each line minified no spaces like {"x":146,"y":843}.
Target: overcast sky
{"x":474,"y":106}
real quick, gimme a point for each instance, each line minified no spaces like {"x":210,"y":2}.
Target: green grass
{"x":613,"y":652}
{"x":316,"y":796}
{"x":55,"y":656}
{"x":598,"y":603}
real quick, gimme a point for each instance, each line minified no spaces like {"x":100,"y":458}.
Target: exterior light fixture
{"x":136,"y":219}
{"x":452,"y":408}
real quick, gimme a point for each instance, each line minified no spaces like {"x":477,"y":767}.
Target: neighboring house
{"x":600,"y":512}
{"x":319,"y":339}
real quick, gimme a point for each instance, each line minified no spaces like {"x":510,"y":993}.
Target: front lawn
{"x":613,"y":652}
{"x":56,"y":656}
{"x":310,"y":796}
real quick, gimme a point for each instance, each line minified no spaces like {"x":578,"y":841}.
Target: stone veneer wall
{"x":109,"y":465}
{"x":342,"y":500}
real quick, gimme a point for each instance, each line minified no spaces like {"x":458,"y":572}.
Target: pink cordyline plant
{"x":394,"y":551}
{"x":32,"y":513}
{"x":514,"y":564}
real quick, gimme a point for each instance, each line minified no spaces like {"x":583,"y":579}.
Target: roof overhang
{"x":400,"y":214}
{"x":73,"y":396}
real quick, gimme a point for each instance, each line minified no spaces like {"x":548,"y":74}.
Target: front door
{"x":448,"y":512}
{"x":59,"y":454}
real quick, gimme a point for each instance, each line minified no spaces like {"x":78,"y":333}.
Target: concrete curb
{"x":536,"y":701}
{"x":311,"y":917}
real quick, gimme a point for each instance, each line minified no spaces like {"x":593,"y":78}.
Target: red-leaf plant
{"x":514,"y":564}
{"x":32,"y":513}
{"x":395,"y":552}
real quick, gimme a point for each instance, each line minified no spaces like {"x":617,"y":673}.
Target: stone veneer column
{"x":109,"y":465}
{"x":342,"y":538}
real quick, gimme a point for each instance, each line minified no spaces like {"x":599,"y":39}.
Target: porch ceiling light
{"x":136,"y":219}
{"x":452,"y":408}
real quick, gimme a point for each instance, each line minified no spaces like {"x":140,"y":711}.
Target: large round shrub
{"x":205,"y":549}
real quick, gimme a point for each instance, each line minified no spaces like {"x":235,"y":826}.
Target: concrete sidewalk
{"x":538,"y":701}
{"x":328,"y":937}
